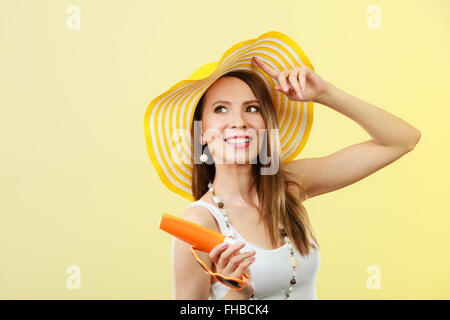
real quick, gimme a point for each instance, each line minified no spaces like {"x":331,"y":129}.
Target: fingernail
{"x":285,"y":89}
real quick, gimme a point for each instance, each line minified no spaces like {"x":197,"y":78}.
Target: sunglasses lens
{"x":232,"y":283}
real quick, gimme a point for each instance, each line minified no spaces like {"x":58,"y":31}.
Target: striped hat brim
{"x":168,"y":118}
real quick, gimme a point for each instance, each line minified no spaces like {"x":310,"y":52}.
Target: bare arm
{"x":391,"y":136}
{"x":384,"y":128}
{"x":190,"y":282}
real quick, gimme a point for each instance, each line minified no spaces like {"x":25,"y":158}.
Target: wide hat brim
{"x":168,"y":118}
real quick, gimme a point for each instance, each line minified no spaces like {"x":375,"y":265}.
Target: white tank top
{"x":272,"y":270}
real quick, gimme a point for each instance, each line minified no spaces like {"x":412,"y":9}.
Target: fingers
{"x":228,"y":258}
{"x":267,"y":69}
{"x":217,"y":250}
{"x":217,"y":253}
{"x":302,"y":78}
{"x":240,"y":261}
{"x":287,"y":79}
{"x":282,"y":81}
{"x":293,"y":80}
{"x":243,"y":267}
{"x":226,"y":255}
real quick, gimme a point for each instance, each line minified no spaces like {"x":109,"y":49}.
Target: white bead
{"x":290,"y":289}
{"x":210,"y":185}
{"x":224,"y":212}
{"x":216,"y":199}
{"x":203,"y":158}
{"x":211,"y":189}
{"x":225,"y":218}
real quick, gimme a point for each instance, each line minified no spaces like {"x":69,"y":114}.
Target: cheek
{"x":213,"y":136}
{"x":211,"y":129}
{"x":261,"y":123}
{"x":261,"y":130}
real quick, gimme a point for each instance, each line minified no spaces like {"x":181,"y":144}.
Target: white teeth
{"x":238,"y":141}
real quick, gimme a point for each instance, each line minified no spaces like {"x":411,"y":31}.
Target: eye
{"x":257,"y":108}
{"x":219,"y":107}
{"x":215,"y":109}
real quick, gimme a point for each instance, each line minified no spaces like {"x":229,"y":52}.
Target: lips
{"x":238,"y":137}
{"x":239,"y":141}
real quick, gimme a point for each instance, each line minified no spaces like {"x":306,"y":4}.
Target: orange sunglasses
{"x":234,"y":283}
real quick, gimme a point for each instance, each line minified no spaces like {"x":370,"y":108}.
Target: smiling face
{"x":231,"y":109}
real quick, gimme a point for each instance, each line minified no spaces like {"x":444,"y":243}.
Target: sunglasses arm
{"x":205,"y":268}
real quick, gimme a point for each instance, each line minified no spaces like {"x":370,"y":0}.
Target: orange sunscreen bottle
{"x":198,"y":236}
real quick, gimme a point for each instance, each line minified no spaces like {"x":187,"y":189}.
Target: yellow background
{"x":77,"y":185}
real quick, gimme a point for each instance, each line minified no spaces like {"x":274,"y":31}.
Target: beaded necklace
{"x":220,"y":205}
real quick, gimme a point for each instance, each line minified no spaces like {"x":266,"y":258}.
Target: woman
{"x":276,"y":250}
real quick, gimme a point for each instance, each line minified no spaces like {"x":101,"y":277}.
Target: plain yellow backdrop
{"x":77,"y":185}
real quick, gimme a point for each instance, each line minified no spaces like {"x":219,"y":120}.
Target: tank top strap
{"x":214,"y":211}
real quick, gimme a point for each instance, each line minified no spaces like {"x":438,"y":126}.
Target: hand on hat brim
{"x":294,"y":82}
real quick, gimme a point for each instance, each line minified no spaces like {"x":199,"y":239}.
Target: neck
{"x":234,"y":184}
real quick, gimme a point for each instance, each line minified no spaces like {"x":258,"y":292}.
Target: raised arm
{"x":391,"y":137}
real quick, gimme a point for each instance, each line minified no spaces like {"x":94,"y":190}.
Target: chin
{"x":241,"y":160}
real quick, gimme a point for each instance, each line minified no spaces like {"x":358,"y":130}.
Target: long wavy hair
{"x":277,"y":205}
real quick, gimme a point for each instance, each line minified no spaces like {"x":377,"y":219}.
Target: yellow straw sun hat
{"x":168,"y":118}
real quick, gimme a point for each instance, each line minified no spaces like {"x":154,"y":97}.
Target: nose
{"x":238,"y":121}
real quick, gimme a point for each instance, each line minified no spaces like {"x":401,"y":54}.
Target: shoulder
{"x":201,"y":216}
{"x":190,"y":282}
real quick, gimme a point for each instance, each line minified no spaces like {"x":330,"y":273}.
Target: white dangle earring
{"x":203,"y":157}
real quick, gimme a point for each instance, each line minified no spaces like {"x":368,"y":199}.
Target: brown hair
{"x":277,"y":205}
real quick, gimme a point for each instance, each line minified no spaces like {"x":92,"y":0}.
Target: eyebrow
{"x":228,"y":102}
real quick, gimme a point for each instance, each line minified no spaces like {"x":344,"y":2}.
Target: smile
{"x":239,"y":141}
